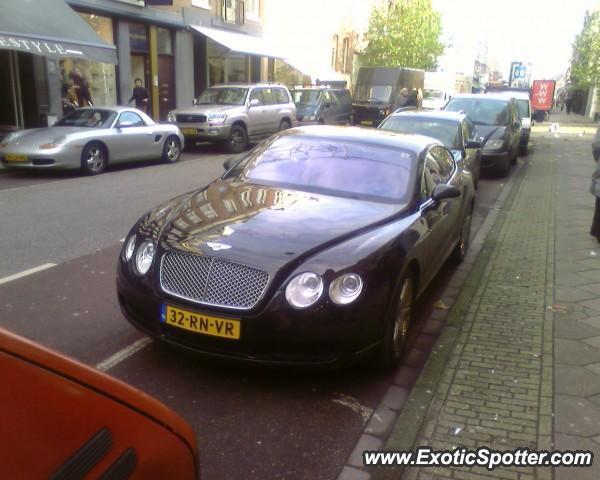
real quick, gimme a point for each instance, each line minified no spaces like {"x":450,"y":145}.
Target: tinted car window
{"x":445,"y":162}
{"x":223,"y":96}
{"x":256,"y":94}
{"x":334,"y":167}
{"x":268,"y":96}
{"x":483,"y":111}
{"x":446,"y":131}
{"x":432,"y":176}
{"x":306,"y":97}
{"x":523,"y":108}
{"x":281,"y":95}
{"x":89,"y":118}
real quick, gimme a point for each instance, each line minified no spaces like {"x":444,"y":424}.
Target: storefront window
{"x":138,"y":37}
{"x":87,"y":82}
{"x":253,"y":9}
{"x":225,"y":66}
{"x":165,"y":46}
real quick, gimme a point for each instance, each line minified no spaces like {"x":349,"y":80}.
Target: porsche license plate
{"x":366,"y":122}
{"x":202,"y":324}
{"x":15,"y":157}
{"x":189,"y":131}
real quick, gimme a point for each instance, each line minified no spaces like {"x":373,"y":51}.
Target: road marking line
{"x":121,"y":355}
{"x":24,"y":273}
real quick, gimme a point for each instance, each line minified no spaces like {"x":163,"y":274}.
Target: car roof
{"x":484,"y":96}
{"x":437,"y":114}
{"x":515,"y":94}
{"x":384,"y":138}
{"x":319,"y":87}
{"x":247,"y":85}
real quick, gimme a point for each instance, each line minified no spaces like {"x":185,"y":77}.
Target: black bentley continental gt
{"x":311,"y":249}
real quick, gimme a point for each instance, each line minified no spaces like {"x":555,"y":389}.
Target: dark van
{"x":322,"y":105}
{"x":380,"y":91}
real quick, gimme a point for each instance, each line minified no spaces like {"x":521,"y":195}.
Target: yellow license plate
{"x":203,"y":324}
{"x":15,"y":157}
{"x":366,"y":122}
{"x":189,"y":131}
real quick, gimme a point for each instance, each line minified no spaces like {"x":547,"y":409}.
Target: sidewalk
{"x":518,"y":363}
{"x":573,"y":123}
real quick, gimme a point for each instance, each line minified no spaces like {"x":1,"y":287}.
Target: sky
{"x":537,"y":31}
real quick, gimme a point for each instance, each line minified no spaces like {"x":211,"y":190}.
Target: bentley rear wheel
{"x":397,"y":325}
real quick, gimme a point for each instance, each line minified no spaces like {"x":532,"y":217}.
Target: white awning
{"x":239,"y":42}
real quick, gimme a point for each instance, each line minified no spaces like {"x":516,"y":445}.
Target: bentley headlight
{"x":216,"y":117}
{"x":345,"y":289}
{"x":304,"y":290}
{"x":494,"y":144}
{"x":144,"y":257}
{"x":171,"y":117}
{"x":129,"y":248}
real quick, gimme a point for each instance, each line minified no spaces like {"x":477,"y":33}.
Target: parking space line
{"x":123,"y":354}
{"x":24,"y":273}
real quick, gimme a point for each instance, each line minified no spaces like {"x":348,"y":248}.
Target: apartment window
{"x":334,"y":50}
{"x":201,"y":4}
{"x":252,"y":9}
{"x":232,"y":11}
{"x":345,"y":52}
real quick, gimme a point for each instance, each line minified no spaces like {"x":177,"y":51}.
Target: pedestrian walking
{"x":140,"y":95}
{"x":569,"y":101}
{"x":595,"y":190}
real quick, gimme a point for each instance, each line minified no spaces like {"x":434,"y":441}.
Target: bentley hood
{"x":266,"y":227}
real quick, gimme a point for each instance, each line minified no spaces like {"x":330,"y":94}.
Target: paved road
{"x":251,"y":423}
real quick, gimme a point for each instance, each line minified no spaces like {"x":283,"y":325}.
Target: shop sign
{"x":39,"y":47}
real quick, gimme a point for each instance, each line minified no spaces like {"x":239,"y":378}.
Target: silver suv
{"x":236,"y":114}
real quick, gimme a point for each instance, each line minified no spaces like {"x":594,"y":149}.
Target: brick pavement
{"x":518,"y":364}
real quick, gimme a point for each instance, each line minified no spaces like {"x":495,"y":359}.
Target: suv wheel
{"x":238,"y":139}
{"x":284,"y":125}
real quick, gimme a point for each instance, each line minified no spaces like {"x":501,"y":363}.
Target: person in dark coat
{"x":81,"y":87}
{"x":595,"y":190}
{"x":140,"y":95}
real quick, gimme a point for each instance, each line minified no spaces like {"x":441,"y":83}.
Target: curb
{"x":397,"y":421}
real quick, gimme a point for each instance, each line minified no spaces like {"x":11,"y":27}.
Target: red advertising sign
{"x":542,"y":94}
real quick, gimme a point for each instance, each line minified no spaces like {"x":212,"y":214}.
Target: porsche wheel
{"x":93,"y":158}
{"x":397,"y":325}
{"x":171,"y":150}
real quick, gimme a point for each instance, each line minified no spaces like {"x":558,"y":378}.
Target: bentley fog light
{"x":345,"y":289}
{"x":129,"y":248}
{"x":304,"y":290}
{"x":144,"y":257}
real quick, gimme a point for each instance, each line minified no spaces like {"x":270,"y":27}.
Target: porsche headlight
{"x":171,"y":117}
{"x":216,"y":117}
{"x":129,"y":248}
{"x":345,"y":289}
{"x":304,"y":290}
{"x":53,"y":144}
{"x":494,"y":144}
{"x":144,"y":257}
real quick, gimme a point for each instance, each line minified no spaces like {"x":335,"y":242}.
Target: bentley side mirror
{"x":444,"y":192}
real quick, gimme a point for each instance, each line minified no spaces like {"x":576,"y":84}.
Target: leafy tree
{"x":585,"y":62}
{"x":404,"y":33}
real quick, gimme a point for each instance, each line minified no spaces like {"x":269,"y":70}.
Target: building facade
{"x":176,"y":50}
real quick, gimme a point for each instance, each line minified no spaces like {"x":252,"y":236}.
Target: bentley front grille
{"x":212,"y":281}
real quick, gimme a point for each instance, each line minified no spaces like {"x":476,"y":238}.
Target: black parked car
{"x":312,"y":248}
{"x":322,"y":105}
{"x":497,"y":120}
{"x":456,"y":131}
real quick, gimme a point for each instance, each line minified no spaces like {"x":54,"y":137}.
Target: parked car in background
{"x":497,"y":120}
{"x":322,"y":105}
{"x":90,"y":139}
{"x":456,"y":131}
{"x":310,"y":249}
{"x":524,"y":108}
{"x":236,"y":114}
{"x":82,"y":423}
{"x":380,"y":91}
